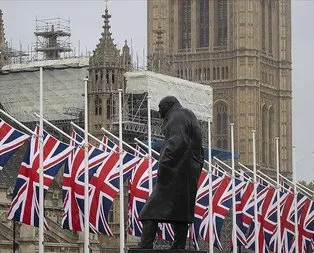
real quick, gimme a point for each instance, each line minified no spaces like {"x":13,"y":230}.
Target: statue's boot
{"x":180,"y":230}
{"x":148,"y":234}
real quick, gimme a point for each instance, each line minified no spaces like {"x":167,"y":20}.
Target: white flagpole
{"x":210,"y":189}
{"x":41,"y":164}
{"x":278,"y":197}
{"x":150,"y":173}
{"x":121,"y":176}
{"x":86,"y":197}
{"x":296,"y":232}
{"x":234,"y":224}
{"x":255,"y":194}
{"x":17,"y":122}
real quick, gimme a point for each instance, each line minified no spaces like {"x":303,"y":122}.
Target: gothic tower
{"x":243,"y":50}
{"x":3,"y":51}
{"x":106,"y":69}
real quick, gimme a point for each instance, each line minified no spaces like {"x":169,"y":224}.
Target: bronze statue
{"x":180,"y":163}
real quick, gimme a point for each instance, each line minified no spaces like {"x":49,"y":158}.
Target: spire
{"x":2,"y":38}
{"x":106,"y":35}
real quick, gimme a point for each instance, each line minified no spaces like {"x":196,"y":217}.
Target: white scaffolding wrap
{"x":194,"y":96}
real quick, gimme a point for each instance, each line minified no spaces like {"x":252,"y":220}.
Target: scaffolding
{"x":52,"y":37}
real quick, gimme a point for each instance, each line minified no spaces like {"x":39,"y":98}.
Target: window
{"x":227,"y":73}
{"x":271,"y":132}
{"x":185,"y":23}
{"x":214,"y":73}
{"x":204,"y":23}
{"x":222,"y":73}
{"x":98,"y":106}
{"x":221,"y":114}
{"x":221,"y":22}
{"x":109,"y":108}
{"x":112,"y":76}
{"x":263,"y":26}
{"x":264,"y":134}
{"x":218,"y":73}
{"x":270,"y":27}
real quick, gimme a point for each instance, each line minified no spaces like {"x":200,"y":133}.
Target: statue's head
{"x":166,"y":104}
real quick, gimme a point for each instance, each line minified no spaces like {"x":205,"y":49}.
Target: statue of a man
{"x":181,"y":160}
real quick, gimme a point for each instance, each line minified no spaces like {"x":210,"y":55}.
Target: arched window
{"x":205,"y":74}
{"x":264,"y":134}
{"x":98,"y":106}
{"x":185,"y":24}
{"x":218,"y":73}
{"x":208,"y":73}
{"x":271,"y":131}
{"x":107,"y":76}
{"x":203,"y":23}
{"x":270,"y":27}
{"x":221,"y":119}
{"x":196,"y":74}
{"x":263,"y":25}
{"x":113,"y":76}
{"x":109,"y":108}
{"x":222,"y":73}
{"x":221,"y":22}
{"x":214,"y":73}
{"x":199,"y":74}
{"x":227,"y":73}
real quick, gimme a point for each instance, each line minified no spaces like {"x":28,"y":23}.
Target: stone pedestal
{"x":164,"y":250}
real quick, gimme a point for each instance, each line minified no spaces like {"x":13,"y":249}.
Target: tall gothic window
{"x":264,"y":134}
{"x":263,"y":26}
{"x":185,"y":23}
{"x":221,"y":113}
{"x":270,"y":27}
{"x":271,"y":132}
{"x":204,"y":23}
{"x":221,"y":22}
{"x":98,"y":106}
{"x":109,"y":107}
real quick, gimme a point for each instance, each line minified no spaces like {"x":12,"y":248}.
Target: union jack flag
{"x":10,"y":140}
{"x":104,"y":186}
{"x":243,"y":221}
{"x":138,"y":194}
{"x":266,"y":205}
{"x":25,"y":201}
{"x":222,"y":202}
{"x":73,"y":182}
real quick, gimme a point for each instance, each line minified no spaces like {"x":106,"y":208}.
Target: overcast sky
{"x":129,"y":22}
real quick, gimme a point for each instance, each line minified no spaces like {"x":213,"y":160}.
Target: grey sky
{"x":129,"y":21}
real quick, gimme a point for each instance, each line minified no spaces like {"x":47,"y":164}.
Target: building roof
{"x":63,"y":89}
{"x":194,"y":96}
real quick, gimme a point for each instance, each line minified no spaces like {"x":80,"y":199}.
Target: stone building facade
{"x":243,"y":50}
{"x":3,"y":56}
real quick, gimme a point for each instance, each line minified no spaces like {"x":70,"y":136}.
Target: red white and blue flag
{"x":73,"y":182}
{"x":104,"y":185}
{"x":10,"y":140}
{"x":138,"y":194}
{"x":222,"y":202}
{"x":25,"y":201}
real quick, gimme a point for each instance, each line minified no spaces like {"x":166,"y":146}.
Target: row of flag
{"x":103,"y":175}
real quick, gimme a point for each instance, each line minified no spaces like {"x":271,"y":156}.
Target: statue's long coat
{"x":180,"y":164}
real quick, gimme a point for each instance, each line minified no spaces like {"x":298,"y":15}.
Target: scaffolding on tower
{"x":52,"y":38}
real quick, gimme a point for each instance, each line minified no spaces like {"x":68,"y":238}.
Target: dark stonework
{"x":163,"y":250}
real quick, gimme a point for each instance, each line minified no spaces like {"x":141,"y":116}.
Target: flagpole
{"x":278,"y":197}
{"x":124,"y":143}
{"x":150,"y":173}
{"x":121,"y":175}
{"x":210,"y":189}
{"x":296,"y":229}
{"x":255,"y":193}
{"x":234,"y":235}
{"x":300,"y":187}
{"x":41,"y":164}
{"x":86,"y":197}
{"x":17,"y":122}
